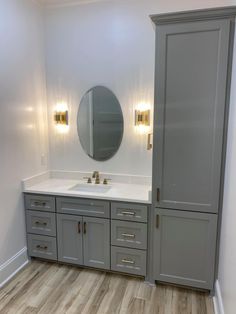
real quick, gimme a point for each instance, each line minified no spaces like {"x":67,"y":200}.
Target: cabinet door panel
{"x":70,"y":239}
{"x":184,"y":247}
{"x":96,"y":235}
{"x":191,"y":78}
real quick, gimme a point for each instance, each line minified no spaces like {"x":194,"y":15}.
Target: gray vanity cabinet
{"x":70,"y":239}
{"x":80,"y":231}
{"x":96,"y":240}
{"x":83,"y":240}
{"x":191,"y":84}
{"x":185,"y":247}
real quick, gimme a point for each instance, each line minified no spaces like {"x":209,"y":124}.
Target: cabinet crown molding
{"x":194,"y":15}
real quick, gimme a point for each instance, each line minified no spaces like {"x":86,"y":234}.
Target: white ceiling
{"x":64,"y":2}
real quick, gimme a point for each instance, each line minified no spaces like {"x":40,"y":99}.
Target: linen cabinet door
{"x":96,"y":240}
{"x":190,"y":99}
{"x":184,"y":247}
{"x":70,"y":239}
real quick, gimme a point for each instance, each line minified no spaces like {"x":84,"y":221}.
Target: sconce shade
{"x":142,"y":117}
{"x":61,"y":117}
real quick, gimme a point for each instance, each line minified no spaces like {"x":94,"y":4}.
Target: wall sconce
{"x":142,"y":121}
{"x":61,"y":117}
{"x":142,"y":118}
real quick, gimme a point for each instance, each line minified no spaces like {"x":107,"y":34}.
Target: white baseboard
{"x":11,"y":267}
{"x":217,"y":300}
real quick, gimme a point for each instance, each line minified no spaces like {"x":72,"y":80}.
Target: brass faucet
{"x":96,"y":175}
{"x":89,"y":180}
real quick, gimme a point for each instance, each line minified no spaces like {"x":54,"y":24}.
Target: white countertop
{"x":126,"y":192}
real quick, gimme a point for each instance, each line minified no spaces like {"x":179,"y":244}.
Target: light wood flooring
{"x":46,"y":288}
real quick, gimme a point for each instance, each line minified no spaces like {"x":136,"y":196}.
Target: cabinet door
{"x":69,"y":238}
{"x":184,"y":247}
{"x":190,"y":99}
{"x":96,"y":235}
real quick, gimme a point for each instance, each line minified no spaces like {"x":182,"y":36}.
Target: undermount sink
{"x":87,"y":187}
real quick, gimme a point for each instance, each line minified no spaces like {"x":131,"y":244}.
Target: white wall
{"x":23,"y":124}
{"x":108,"y":43}
{"x":227,"y":263}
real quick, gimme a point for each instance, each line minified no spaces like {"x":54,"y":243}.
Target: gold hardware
{"x":97,"y":179}
{"x":128,"y":213}
{"x":42,"y":247}
{"x":157,"y":221}
{"x":61,"y":117}
{"x":142,"y":117}
{"x":89,"y":180}
{"x":149,"y":144}
{"x":127,"y":261}
{"x":40,"y":223}
{"x":95,"y":174}
{"x":85,"y":227}
{"x":158,"y":194}
{"x":79,"y":227}
{"x":128,"y":235}
{"x":105,"y":181}
{"x":39,"y":203}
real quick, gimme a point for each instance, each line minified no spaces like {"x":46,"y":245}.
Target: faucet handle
{"x":95,"y":174}
{"x":105,"y":181}
{"x":89,"y":180}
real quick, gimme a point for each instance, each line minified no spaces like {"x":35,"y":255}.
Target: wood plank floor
{"x":52,"y":288}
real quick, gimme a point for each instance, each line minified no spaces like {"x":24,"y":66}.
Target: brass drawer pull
{"x":41,"y":223}
{"x":42,"y":247}
{"x":127,"y":261}
{"x":128,"y":235}
{"x":43,"y":204}
{"x":128,"y":213}
{"x":157,"y":221}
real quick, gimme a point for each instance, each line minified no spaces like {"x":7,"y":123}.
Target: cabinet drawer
{"x":41,"y":222}
{"x":83,"y":207}
{"x":40,"y":202}
{"x":128,"y":260}
{"x":129,"y":234}
{"x":42,"y":246}
{"x":126,"y":211}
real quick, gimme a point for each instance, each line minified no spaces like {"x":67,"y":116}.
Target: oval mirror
{"x":100,"y":123}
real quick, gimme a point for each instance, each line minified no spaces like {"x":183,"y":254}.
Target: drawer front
{"x":85,"y":207}
{"x":41,"y":222}
{"x":129,"y":234}
{"x":128,"y":260}
{"x":126,"y":211}
{"x":42,"y":246}
{"x":40,"y":202}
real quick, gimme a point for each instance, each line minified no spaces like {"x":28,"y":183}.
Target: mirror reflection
{"x":100,"y":123}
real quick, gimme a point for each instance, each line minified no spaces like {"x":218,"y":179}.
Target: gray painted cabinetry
{"x":96,"y":240}
{"x":70,"y":239}
{"x":81,"y":232}
{"x":185,"y":247}
{"x":129,"y":238}
{"x":193,"y":58}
